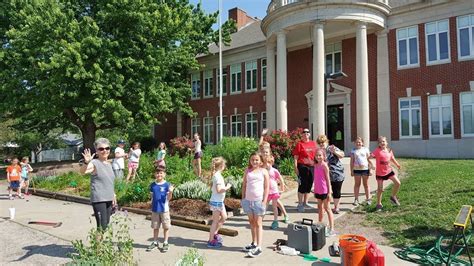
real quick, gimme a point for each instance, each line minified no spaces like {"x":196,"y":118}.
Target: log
{"x":173,"y":216}
{"x":202,"y":227}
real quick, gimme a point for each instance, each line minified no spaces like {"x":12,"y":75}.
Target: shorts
{"x":24,"y":178}
{"x":305,"y":178}
{"x":336,"y":189}
{"x":273,"y":196}
{"x":217,"y":206}
{"x":160,"y":218}
{"x":253,"y":207}
{"x":132,"y":166}
{"x":362,"y":172}
{"x":198,"y":155}
{"x":15,"y":184}
{"x":385,"y":177}
{"x":160,"y":163}
{"x":321,"y":196}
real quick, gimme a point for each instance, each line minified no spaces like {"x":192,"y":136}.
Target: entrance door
{"x":335,"y":126}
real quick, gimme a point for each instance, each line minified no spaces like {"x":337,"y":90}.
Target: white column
{"x":383,"y":87}
{"x":179,"y":124}
{"x":362,"y":85}
{"x":282,"y":122}
{"x":270,"y":97}
{"x":318,"y":108}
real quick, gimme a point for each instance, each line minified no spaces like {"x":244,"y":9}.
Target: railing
{"x":275,"y":4}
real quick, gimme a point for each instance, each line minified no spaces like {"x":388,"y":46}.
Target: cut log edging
{"x":202,"y":227}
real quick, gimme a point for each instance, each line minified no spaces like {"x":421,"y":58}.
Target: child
{"x":197,"y":155}
{"x":277,"y":184}
{"x":322,"y":189}
{"x":118,"y":164}
{"x":133,"y":160}
{"x":360,"y":168}
{"x":383,"y":157}
{"x":13,"y":178}
{"x":255,"y":188}
{"x":216,"y":203}
{"x":25,"y":169}
{"x":160,"y":157}
{"x":162,"y":192}
{"x":264,"y":146}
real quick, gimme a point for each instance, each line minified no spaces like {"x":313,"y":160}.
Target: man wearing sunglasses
{"x":303,"y":155}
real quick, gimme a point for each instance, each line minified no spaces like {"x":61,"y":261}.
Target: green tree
{"x":100,"y":64}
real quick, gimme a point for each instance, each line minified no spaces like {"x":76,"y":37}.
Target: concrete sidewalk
{"x":77,"y":221}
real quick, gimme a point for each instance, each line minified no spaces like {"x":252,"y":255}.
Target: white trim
{"x":236,"y":123}
{"x":470,"y":28}
{"x":224,"y":84}
{"x":254,"y":122}
{"x":438,"y":61}
{"x":332,"y":51}
{"x":441,"y":135}
{"x":193,"y":120}
{"x":410,"y":124}
{"x":198,"y":74}
{"x":235,"y":69}
{"x":261,"y":73}
{"x":407,"y":39}
{"x":250,"y":66}
{"x":208,"y":81}
{"x":225,"y":124}
{"x":261,"y":120}
{"x":462,"y":114}
{"x":204,"y":128}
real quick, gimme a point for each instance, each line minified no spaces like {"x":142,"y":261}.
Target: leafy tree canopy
{"x":100,"y":64}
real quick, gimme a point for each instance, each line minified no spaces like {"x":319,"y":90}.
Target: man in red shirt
{"x":303,"y":154}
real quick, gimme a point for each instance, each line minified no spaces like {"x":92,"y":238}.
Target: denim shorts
{"x":253,"y":207}
{"x":216,"y":206}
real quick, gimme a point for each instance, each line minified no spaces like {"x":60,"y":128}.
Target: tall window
{"x":251,"y":75}
{"x":236,"y":78}
{"x":195,"y":86}
{"x":407,"y":46}
{"x":225,"y":131}
{"x":224,"y":82}
{"x":466,"y":37}
{"x":264,"y":120}
{"x":410,"y":117}
{"x":208,"y":130}
{"x":467,"y":113}
{"x":251,"y":125}
{"x":236,"y":125}
{"x":437,"y":42}
{"x":208,"y":85}
{"x":264,"y":73}
{"x":440,"y":109}
{"x":195,"y":123}
{"x":333,"y":58}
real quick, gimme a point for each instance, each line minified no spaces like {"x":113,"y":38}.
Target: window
{"x":236,"y":125}
{"x":195,"y":123}
{"x":467,"y":113}
{"x":440,"y":110}
{"x":208,"y":85}
{"x":251,"y":125}
{"x":195,"y":86}
{"x":264,"y":73}
{"x":437,"y":42}
{"x":264,"y":120}
{"x":236,"y":78}
{"x":410,"y":117}
{"x":407,"y":47}
{"x":224,"y":82}
{"x":466,"y":37}
{"x":225,"y":131}
{"x":333,"y":58}
{"x":208,"y":130}
{"x":251,"y":75}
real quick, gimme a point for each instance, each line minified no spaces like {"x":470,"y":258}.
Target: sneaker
{"x":306,"y":205}
{"x":166,"y":247}
{"x":274,"y":225}
{"x":249,"y":247}
{"x":336,"y":211}
{"x":286,"y":219}
{"x":356,"y":202}
{"x":213,"y":244}
{"x":369,"y":202}
{"x":300,"y":208}
{"x":394,"y":200}
{"x":330,"y":233}
{"x":152,"y":246}
{"x":255,"y":252}
{"x":11,"y":197}
{"x":218,"y":238}
{"x":378,"y":208}
{"x":21,"y":196}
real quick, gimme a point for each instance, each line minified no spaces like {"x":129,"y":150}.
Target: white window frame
{"x":461,"y":104}
{"x":224,"y":82}
{"x":263,"y":120}
{"x":235,"y":70}
{"x":195,"y":124}
{"x":440,"y":113}
{"x":252,"y":123}
{"x":332,"y":49}
{"x":251,"y":75}
{"x":407,"y":38}
{"x":224,"y":126}
{"x":195,"y":78}
{"x":232,"y":123}
{"x":410,"y":123}
{"x":207,"y":129}
{"x":263,"y":69}
{"x":208,"y":85}
{"x":470,"y":28}
{"x":437,"y":33}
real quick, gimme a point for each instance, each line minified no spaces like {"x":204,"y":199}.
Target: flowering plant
{"x":181,"y":145}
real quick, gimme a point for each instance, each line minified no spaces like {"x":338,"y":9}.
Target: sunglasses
{"x":305,"y":131}
{"x":103,"y":149}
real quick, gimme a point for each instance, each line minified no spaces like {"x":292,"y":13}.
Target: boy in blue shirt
{"x":162,"y":192}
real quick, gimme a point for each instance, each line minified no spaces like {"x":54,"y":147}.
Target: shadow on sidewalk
{"x":200,"y":244}
{"x":52,"y":250}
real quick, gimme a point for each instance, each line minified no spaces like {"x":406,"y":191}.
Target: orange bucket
{"x":353,"y":248}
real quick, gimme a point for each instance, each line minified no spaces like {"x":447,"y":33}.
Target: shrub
{"x":181,"y":145}
{"x":191,"y":257}
{"x":282,"y":143}
{"x":235,"y":150}
{"x":147,"y":144}
{"x":194,"y":189}
{"x":236,"y":189}
{"x":138,"y":191}
{"x":287,"y":166}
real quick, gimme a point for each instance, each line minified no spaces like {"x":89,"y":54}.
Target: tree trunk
{"x":88,"y":135}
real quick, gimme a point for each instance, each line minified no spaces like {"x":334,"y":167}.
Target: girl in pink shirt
{"x":383,"y":171}
{"x":322,"y":189}
{"x":277,"y":185}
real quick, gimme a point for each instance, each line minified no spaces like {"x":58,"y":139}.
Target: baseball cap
{"x":121,"y":141}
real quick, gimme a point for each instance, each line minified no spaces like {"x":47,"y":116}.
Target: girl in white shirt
{"x":133,"y":160}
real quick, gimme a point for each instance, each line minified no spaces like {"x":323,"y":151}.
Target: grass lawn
{"x":431,"y":195}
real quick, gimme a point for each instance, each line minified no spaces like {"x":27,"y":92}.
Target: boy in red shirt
{"x":13,"y":178}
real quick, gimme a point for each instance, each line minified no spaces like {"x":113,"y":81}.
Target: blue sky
{"x":254,"y":8}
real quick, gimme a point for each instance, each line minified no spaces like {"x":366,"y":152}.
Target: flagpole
{"x":221,"y":126}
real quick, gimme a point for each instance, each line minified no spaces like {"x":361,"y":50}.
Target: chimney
{"x":240,"y":17}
